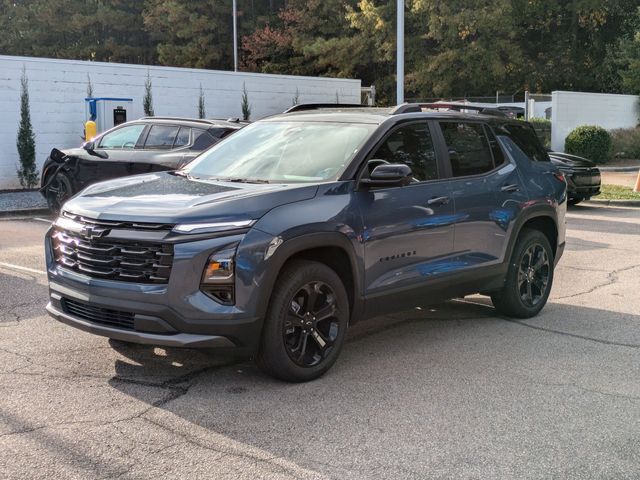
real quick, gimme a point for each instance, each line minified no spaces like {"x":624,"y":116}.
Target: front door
{"x":407,"y":230}
{"x":118,"y":147}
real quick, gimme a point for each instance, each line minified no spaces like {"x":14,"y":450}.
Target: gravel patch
{"x":10,"y":201}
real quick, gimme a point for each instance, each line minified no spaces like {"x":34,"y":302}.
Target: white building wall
{"x":572,"y":109}
{"x":57,"y":90}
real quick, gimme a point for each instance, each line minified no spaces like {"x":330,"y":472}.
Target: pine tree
{"x":296,"y":98}
{"x":89,"y":87}
{"x":147,"y":101}
{"x":246,"y":107}
{"x":26,"y":143}
{"x":201,"y":110}
{"x":337,"y":97}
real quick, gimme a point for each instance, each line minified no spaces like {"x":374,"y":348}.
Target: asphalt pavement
{"x":452,"y":391}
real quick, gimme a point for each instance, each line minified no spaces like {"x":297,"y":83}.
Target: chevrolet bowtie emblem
{"x":91,"y":232}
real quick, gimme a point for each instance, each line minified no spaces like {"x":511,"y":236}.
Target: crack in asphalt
{"x":568,"y":334}
{"x":613,"y":278}
{"x":590,"y":390}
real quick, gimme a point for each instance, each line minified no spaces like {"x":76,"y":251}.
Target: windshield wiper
{"x":242,"y":180}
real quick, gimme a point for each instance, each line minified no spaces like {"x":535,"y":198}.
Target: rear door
{"x":163,"y":148}
{"x":486,"y":191}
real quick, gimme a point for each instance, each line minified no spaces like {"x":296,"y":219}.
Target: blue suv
{"x":279,"y":237}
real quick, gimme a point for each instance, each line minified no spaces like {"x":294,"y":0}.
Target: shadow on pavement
{"x":449,"y":387}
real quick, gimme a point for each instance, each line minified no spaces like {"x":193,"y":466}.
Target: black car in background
{"x":150,"y":144}
{"x":583,"y":177}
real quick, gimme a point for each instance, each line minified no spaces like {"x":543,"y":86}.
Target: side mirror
{"x":90,"y":147}
{"x":388,"y":175}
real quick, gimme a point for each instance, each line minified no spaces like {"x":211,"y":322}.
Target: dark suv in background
{"x":149,"y":144}
{"x":279,"y":237}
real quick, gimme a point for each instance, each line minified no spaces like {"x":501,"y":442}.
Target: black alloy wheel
{"x":529,"y":277}
{"x":305,"y":324}
{"x":311,"y":327}
{"x":533,"y":275}
{"x":58,"y":192}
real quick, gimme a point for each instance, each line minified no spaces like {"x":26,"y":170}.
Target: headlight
{"x":218,"y":277}
{"x":212,"y":227}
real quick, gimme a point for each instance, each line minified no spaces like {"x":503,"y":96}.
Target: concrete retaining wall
{"x":572,"y":109}
{"x":57,"y":90}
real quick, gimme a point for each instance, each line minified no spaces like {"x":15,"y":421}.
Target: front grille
{"x":127,"y":261}
{"x":103,"y":316}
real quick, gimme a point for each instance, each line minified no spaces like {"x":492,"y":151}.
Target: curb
{"x":614,"y":203}
{"x":24,"y":212}
{"x":619,"y":169}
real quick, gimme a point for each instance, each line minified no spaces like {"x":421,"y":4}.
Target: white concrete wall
{"x":57,"y":89}
{"x":572,"y":109}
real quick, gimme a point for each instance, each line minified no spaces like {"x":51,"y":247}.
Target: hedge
{"x":589,"y":141}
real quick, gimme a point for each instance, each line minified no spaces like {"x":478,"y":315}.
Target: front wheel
{"x":305,"y":324}
{"x":529,"y":278}
{"x":58,"y":192}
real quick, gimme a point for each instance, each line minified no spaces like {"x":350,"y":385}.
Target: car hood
{"x":169,"y":198}
{"x":567,"y":160}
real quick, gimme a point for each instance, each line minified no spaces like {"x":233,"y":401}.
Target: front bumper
{"x":175,"y":340}
{"x":175,"y":314}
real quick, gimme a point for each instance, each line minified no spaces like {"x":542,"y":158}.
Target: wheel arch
{"x":330,"y":248}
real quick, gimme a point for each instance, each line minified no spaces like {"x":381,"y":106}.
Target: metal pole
{"x":235,"y":36}
{"x":400,"y":54}
{"x":526,"y":105}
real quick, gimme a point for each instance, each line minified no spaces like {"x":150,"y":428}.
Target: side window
{"x":527,"y":140}
{"x":498,"y":156}
{"x":161,"y":137}
{"x":122,"y":138}
{"x":184,"y":135}
{"x":202,"y":140}
{"x":413,"y":146}
{"x":469,"y":150}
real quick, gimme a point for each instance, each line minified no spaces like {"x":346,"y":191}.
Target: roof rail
{"x":184,"y":119}
{"x":300,"y":107}
{"x":456,"y":107}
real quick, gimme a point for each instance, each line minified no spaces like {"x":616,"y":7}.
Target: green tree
{"x":147,"y":100}
{"x":201,"y":110}
{"x":246,"y":106}
{"x":26,"y":143}
{"x":89,"y":86}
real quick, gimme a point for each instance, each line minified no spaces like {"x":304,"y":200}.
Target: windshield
{"x":283,"y":152}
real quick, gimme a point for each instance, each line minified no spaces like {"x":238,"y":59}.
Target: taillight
{"x":560,"y":177}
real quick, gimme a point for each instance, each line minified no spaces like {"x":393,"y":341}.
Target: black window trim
{"x":383,"y":138}
{"x":189,"y":142}
{"x":446,"y":151}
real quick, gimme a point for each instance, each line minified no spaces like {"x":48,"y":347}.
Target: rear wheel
{"x":529,"y":277}
{"x":58,"y":192}
{"x":305,"y":324}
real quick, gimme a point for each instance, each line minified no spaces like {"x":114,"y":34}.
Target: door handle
{"x":514,"y":187}
{"x":438,"y":201}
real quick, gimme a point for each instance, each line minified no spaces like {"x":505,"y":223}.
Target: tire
{"x":58,"y":192}
{"x":309,"y":306}
{"x":574,"y":201}
{"x":529,"y":278}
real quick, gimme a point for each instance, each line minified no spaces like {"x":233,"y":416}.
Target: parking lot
{"x":449,"y":392}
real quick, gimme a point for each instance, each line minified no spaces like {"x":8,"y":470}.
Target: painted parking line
{"x":42,"y":220}
{"x":21,"y":268}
